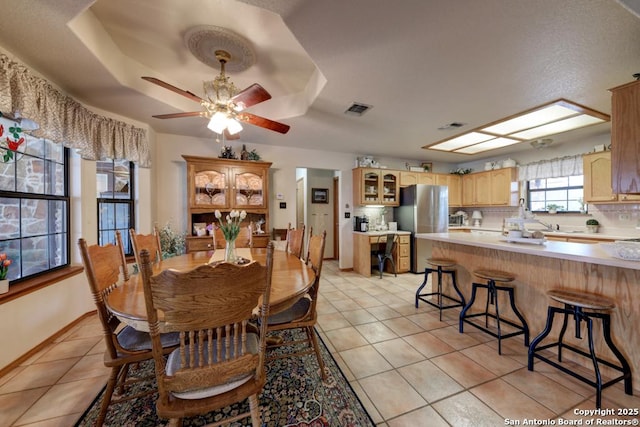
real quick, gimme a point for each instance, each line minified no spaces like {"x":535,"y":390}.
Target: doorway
{"x":317,"y":204}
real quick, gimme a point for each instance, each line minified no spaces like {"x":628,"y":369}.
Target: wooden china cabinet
{"x":224,"y":185}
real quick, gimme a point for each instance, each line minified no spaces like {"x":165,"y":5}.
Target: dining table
{"x":291,"y":279}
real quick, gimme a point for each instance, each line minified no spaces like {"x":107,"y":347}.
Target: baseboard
{"x":43,"y":344}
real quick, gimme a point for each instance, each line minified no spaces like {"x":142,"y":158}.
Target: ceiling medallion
{"x":204,"y":40}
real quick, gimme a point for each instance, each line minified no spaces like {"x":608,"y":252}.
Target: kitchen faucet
{"x":549,"y":226}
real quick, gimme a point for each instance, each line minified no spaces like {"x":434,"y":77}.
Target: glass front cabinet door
{"x":210,"y":188}
{"x":249,"y":187}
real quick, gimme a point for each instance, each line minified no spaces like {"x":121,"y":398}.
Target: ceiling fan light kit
{"x":222,"y":103}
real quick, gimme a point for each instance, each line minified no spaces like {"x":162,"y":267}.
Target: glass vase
{"x":230,"y":251}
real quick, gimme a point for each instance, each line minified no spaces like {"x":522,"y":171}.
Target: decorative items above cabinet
{"x":224,"y":184}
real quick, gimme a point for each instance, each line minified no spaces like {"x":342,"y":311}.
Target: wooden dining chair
{"x":220,"y":360}
{"x":244,"y":239}
{"x":150,"y":242}
{"x":295,"y":241}
{"x":105,"y":267}
{"x":302,"y":315}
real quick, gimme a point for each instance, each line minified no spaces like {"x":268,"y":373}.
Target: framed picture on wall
{"x":319,"y":195}
{"x":427,"y":167}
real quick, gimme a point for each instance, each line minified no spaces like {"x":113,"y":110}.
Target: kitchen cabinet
{"x":373,"y":186}
{"x":490,"y":188}
{"x":411,"y":178}
{"x":402,"y":255}
{"x":363,"y":260}
{"x":597,"y":180}
{"x":224,"y":185}
{"x":454,"y":183}
{"x":625,"y":138}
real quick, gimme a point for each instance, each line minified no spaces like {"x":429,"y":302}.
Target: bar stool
{"x":440,"y":266}
{"x":575,"y":302}
{"x":493,"y":276}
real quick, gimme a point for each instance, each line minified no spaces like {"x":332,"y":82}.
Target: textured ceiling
{"x":420,"y":63}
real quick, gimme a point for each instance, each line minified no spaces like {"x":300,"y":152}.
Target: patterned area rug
{"x":293,"y":396}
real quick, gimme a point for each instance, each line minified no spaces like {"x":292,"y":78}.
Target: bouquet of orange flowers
{"x":4,"y":266}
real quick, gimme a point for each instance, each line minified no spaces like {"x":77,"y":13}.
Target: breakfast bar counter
{"x":540,"y":267}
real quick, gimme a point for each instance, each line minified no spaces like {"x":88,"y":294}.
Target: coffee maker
{"x":360,"y":223}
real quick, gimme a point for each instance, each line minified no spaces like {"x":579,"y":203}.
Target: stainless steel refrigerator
{"x":423,"y":209}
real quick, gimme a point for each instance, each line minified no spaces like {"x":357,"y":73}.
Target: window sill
{"x":32,"y":285}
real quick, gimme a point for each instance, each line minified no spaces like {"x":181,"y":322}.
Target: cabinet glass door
{"x":389,"y":188}
{"x":210,"y":189}
{"x":371,"y":187}
{"x":249,"y":190}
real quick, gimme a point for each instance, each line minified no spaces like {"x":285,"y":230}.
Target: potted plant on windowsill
{"x":592,"y":225}
{"x":552,"y":208}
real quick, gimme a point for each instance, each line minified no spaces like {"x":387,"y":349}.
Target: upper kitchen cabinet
{"x":376,"y":186}
{"x":454,"y":183}
{"x":625,"y":138}
{"x":497,"y":187}
{"x":597,"y":180}
{"x":411,"y":178}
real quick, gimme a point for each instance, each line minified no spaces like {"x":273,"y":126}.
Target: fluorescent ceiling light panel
{"x":558,"y":127}
{"x":549,"y":119}
{"x":462,"y":141}
{"x":537,"y":118}
{"x":492,"y":144}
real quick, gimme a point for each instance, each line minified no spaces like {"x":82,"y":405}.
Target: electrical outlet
{"x":624,"y":217}
{"x":347,"y":214}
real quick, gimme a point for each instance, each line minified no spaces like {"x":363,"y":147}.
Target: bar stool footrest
{"x":575,"y":374}
{"x":520,"y":328}
{"x":441,"y":307}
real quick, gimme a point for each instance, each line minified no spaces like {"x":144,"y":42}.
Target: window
{"x":565,"y":192}
{"x":34,"y":202}
{"x":115,"y":201}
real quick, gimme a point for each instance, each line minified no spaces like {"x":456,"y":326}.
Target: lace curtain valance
{"x":564,"y":166}
{"x":64,"y":120}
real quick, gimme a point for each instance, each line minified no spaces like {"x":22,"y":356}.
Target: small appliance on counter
{"x":360,"y":223}
{"x":457,"y":219}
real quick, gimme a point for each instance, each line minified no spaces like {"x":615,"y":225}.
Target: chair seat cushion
{"x":295,"y":312}
{"x":174,"y":364}
{"x":135,"y":340}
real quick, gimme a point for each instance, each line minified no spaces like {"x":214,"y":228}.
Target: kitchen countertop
{"x":582,"y":234}
{"x":580,"y":252}
{"x":381,"y":233}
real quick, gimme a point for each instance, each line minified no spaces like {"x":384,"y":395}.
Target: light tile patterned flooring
{"x":407,"y":367}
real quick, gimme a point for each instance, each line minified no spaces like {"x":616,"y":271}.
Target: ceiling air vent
{"x":357,"y":109}
{"x":452,"y":125}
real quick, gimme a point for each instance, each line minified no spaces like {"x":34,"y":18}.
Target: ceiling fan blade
{"x":178,"y":115}
{"x":172,"y":88}
{"x":252,"y":95}
{"x":264,"y":123}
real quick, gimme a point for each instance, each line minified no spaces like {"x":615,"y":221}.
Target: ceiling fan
{"x":223,"y":104}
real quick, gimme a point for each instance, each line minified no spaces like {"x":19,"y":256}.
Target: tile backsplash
{"x":615,"y":219}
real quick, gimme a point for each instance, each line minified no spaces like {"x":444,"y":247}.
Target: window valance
{"x":64,"y":120}
{"x":562,"y":166}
